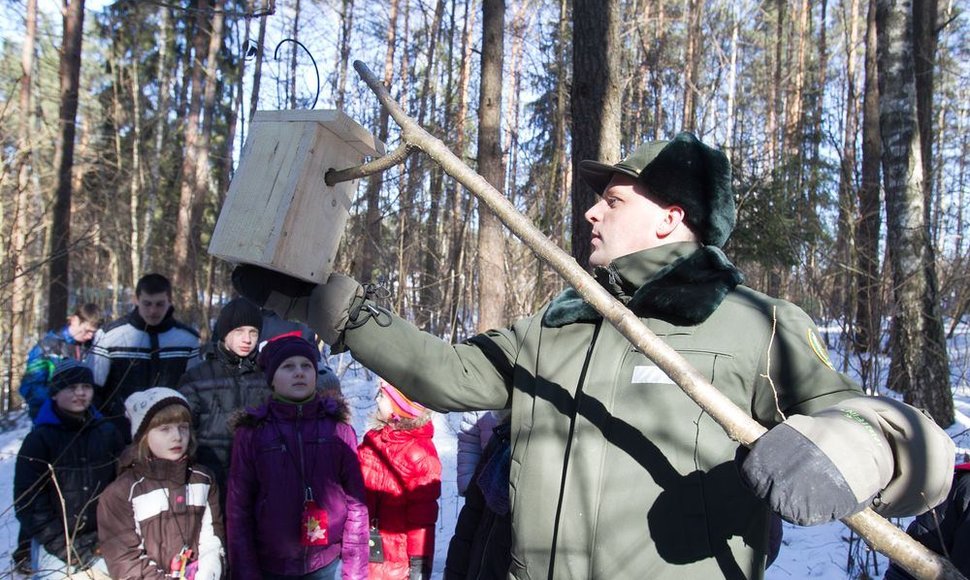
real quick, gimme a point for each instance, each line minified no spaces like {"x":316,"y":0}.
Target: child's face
{"x":385,"y":410}
{"x":295,"y":379}
{"x":242,"y":340}
{"x":75,"y":398}
{"x":169,"y":441}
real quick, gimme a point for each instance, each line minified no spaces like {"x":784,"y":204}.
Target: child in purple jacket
{"x":295,"y":506}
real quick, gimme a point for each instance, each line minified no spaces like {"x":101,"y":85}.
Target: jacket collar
{"x":393,"y":434}
{"x":51,"y":414}
{"x":138,"y":322}
{"x":231,"y":359}
{"x":319,"y":406}
{"x":681,"y":283}
{"x":176,"y":472}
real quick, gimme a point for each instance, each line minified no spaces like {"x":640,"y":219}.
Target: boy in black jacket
{"x":72,"y":437}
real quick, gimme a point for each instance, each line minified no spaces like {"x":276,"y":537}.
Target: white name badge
{"x":650,"y":374}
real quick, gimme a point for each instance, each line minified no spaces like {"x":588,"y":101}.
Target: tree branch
{"x":883,"y":536}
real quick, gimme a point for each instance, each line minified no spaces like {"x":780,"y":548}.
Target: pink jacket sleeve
{"x":240,"y":509}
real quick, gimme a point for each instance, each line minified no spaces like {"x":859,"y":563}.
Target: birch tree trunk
{"x":491,"y":242}
{"x":920,"y":366}
{"x":60,"y":233}
{"x":17,"y":317}
{"x":166,"y":59}
{"x":845,"y":236}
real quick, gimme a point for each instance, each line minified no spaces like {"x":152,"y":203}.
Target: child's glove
{"x":325,"y":307}
{"x":86,"y":551}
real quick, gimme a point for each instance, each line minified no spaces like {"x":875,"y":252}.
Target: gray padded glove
{"x":326,"y":308}
{"x":862,"y":451}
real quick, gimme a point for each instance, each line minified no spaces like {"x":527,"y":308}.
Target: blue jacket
{"x":41,"y":360}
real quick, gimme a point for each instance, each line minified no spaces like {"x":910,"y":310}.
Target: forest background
{"x":845,"y":122}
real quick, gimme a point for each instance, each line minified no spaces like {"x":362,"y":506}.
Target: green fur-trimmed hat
{"x":683,"y":172}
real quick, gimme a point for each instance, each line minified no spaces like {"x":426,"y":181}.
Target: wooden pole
{"x":879,"y":533}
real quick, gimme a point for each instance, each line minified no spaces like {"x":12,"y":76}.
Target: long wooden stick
{"x":883,"y":536}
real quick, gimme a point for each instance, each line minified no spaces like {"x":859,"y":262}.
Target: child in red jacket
{"x":402,"y":476}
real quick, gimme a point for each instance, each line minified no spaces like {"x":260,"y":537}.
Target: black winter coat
{"x":946,"y":528}
{"x":84,"y":454}
{"x":215,"y":389}
{"x":481,"y":548}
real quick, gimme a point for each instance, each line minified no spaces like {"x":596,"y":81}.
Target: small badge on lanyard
{"x":314,"y":522}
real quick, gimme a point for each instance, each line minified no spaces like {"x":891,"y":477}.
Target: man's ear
{"x":673,"y":218}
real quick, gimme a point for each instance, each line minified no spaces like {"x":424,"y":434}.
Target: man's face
{"x":625,"y":220}
{"x":153,"y":307}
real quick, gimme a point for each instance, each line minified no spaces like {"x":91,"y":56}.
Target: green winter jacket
{"x":615,"y":472}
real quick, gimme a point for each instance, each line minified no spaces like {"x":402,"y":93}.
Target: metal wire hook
{"x":276,"y":56}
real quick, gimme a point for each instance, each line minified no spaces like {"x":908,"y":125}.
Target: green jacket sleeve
{"x":473,"y":375}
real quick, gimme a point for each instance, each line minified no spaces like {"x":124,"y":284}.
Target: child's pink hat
{"x":404,"y":408}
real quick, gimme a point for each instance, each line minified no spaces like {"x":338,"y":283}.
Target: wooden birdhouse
{"x":279,"y":213}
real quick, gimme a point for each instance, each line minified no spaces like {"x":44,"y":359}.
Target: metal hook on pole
{"x":276,"y":56}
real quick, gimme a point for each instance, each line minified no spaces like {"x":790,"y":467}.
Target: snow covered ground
{"x":821,"y":552}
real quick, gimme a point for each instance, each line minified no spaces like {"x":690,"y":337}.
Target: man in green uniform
{"x":615,"y":472}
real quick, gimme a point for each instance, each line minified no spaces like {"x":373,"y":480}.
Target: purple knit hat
{"x":282,"y":347}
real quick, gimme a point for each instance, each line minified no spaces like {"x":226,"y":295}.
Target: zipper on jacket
{"x":306,"y":485}
{"x":569,"y":446}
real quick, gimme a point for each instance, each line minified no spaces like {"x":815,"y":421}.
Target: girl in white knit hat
{"x":161,"y":518}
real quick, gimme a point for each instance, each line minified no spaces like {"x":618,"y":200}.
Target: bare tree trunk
{"x":656,"y":75}
{"x":195,"y":164}
{"x":257,"y":67}
{"x":730,"y":119}
{"x":867,"y":324}
{"x":458,"y":218}
{"x":346,"y":28}
{"x":69,"y":72}
{"x":491,"y":242}
{"x":774,"y":104}
{"x":137,"y":186}
{"x":370,"y":249}
{"x":16,"y":256}
{"x":428,"y":300}
{"x":846,"y":235}
{"x":295,"y":35}
{"x":165,"y":88}
{"x":595,"y":105}
{"x":693,"y":63}
{"x":920,"y":367}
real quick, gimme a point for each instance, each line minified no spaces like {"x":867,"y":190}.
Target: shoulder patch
{"x":815,"y":341}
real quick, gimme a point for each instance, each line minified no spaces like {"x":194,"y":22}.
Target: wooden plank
{"x":334,"y":120}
